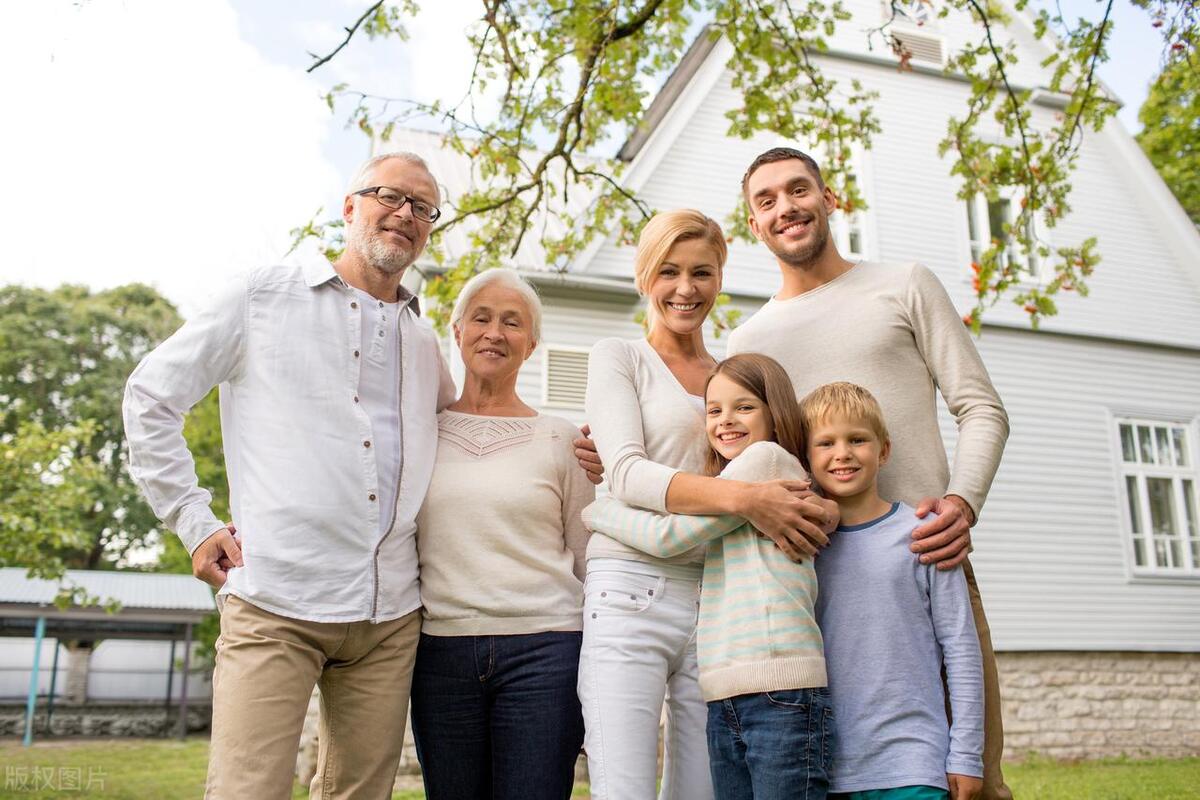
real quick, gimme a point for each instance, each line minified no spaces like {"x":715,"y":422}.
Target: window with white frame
{"x":850,"y":229}
{"x":1159,"y":477}
{"x":989,"y":222}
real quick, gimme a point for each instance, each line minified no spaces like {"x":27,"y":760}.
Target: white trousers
{"x":639,"y":648}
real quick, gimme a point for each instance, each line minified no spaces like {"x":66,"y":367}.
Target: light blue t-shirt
{"x":889,"y":622}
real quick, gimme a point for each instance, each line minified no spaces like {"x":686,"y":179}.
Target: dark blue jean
{"x":497,"y":717}
{"x":771,"y":746}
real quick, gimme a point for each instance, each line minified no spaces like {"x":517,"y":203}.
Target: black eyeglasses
{"x":394,"y":199}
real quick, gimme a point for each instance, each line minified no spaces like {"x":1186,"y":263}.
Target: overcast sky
{"x":176,"y":142}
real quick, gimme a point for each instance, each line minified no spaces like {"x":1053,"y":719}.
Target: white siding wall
{"x":120,"y":669}
{"x":1051,"y":550}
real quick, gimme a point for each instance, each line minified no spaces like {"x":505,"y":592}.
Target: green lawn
{"x":145,"y":769}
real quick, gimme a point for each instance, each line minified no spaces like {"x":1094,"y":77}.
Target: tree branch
{"x":349,"y":35}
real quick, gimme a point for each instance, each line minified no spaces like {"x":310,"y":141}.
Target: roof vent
{"x":922,"y":47}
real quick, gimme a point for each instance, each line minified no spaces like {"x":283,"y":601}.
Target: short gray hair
{"x":362,"y":178}
{"x":505,"y":278}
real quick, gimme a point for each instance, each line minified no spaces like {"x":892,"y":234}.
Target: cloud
{"x":147,"y":141}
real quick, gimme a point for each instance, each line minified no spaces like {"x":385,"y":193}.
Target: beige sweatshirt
{"x":893,"y":329}
{"x":499,"y":537}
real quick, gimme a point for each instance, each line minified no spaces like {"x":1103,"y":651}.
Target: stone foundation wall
{"x":1097,"y":705}
{"x":118,"y":719}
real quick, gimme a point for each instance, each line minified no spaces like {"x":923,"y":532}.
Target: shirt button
{"x":633,"y":597}
{"x":353,"y":304}
{"x":604,"y":594}
{"x":356,"y":354}
{"x":371,"y":497}
{"x":367,"y":443}
{"x":650,"y":592}
{"x":381,"y":333}
{"x":381,"y":304}
{"x":356,"y":398}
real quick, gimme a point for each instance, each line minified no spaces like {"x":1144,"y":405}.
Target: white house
{"x":1088,"y":552}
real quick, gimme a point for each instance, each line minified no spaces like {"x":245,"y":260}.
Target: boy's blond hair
{"x":842,"y":400}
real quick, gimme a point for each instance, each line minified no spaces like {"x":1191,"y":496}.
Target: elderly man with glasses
{"x":330,"y":386}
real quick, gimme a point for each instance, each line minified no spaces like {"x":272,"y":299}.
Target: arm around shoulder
{"x":958,"y":369}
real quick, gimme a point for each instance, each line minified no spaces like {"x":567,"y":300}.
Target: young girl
{"x":762,"y":668}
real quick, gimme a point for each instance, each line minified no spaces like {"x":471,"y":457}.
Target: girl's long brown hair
{"x":769,"y":382}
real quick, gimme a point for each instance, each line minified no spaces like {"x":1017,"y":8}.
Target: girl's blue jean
{"x":497,"y":717}
{"x":772,"y":745}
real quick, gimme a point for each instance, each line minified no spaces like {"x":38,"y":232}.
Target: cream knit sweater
{"x":499,"y":537}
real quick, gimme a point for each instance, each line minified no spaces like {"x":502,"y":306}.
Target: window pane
{"x":1176,"y":553}
{"x":997,"y":217}
{"x":855,"y":240}
{"x":1160,"y":553}
{"x":1139,"y":551}
{"x":1135,"y":503}
{"x":1181,"y":453}
{"x":1164,"y":446}
{"x":1189,"y":506}
{"x":973,"y":225}
{"x":1128,"y":445}
{"x":1162,"y":507}
{"x":1147,"y":445}
{"x":1196,"y":553}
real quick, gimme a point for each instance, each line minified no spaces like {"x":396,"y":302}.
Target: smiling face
{"x":685,"y":286}
{"x":789,"y":211}
{"x":845,"y":455}
{"x":390,"y":239}
{"x":495,"y":335}
{"x":735,"y":417}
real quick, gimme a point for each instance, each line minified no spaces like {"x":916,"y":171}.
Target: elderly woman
{"x":494,"y":706}
{"x":646,"y":409}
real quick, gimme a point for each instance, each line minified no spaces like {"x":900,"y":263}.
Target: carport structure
{"x":156,"y":606}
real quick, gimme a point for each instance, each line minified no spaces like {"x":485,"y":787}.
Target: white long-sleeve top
{"x":647,"y":428}
{"x":284,"y":344}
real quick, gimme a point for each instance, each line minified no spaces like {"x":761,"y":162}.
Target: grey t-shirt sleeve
{"x":954,"y":627}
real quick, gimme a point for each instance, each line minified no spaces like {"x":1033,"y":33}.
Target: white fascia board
{"x":667,"y":131}
{"x":1179,"y":232}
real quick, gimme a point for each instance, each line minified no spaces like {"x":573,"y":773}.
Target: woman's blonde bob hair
{"x":763,"y":377}
{"x":662,"y":233}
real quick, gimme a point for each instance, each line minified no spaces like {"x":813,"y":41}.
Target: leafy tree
{"x":568,"y":77}
{"x":64,"y":357}
{"x":47,"y":486}
{"x":1171,"y":131}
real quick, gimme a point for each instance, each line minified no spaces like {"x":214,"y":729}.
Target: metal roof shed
{"x":151,"y":606}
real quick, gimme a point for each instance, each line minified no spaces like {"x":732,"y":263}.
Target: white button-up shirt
{"x":284,"y":343}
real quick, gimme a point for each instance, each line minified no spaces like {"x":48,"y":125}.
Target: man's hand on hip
{"x":946,"y":540}
{"x":589,"y":459}
{"x":791,"y":516}
{"x":216,"y":556}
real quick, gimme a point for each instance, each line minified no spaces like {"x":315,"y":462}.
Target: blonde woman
{"x":646,"y":409}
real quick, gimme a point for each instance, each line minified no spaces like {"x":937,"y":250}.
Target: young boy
{"x":890,"y":624}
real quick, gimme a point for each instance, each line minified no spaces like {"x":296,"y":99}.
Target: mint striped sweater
{"x":757,"y":630}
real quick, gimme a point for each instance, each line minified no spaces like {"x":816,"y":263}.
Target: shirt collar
{"x":319,"y":271}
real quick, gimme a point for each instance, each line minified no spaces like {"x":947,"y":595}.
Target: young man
{"x":889,"y":623}
{"x":892,"y":329}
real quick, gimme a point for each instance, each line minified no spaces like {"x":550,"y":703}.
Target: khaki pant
{"x":266,"y":668}
{"x":994,"y":787}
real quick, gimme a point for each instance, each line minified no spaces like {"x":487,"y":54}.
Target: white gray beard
{"x":380,"y":255}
